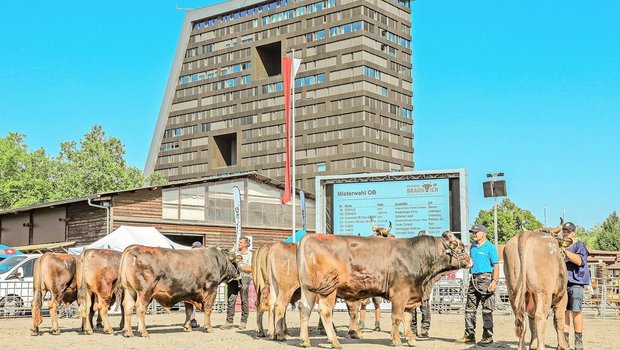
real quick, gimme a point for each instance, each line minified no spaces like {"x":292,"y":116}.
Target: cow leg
{"x":260,"y":304}
{"x":104,"y":306}
{"x":408,"y":318}
{"x":279,"y":314}
{"x":533,"y":334}
{"x":129,"y":301}
{"x":207,"y":308}
{"x":326,"y":306}
{"x":272,"y":321}
{"x":86,"y":312}
{"x":305,"y":309}
{"x":354,"y":328}
{"x":141,"y":304}
{"x":398,"y":308}
{"x":189,"y":309}
{"x":542,"y":310}
{"x":54,"y":301}
{"x":559,"y":308}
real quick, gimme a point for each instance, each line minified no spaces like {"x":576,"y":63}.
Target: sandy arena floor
{"x":166,"y":333}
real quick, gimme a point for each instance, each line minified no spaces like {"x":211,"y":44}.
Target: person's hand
{"x":493,"y":286}
{"x":563,"y":252}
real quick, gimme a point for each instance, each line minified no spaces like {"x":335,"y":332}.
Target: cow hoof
{"x":305,"y":344}
{"x":34,"y":332}
{"x":354,"y":335}
{"x":280,"y":337}
{"x":56,"y":332}
{"x":209,"y":329}
{"x":88,"y":332}
{"x":128,"y":334}
{"x":187,"y":328}
{"x":411,"y":342}
{"x":397,"y":343}
{"x":108,"y":331}
{"x":336,"y":345}
{"x":260,"y":334}
{"x":144,"y":334}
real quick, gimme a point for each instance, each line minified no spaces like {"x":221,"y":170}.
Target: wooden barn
{"x":196,"y":210}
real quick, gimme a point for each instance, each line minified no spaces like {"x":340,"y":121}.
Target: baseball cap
{"x":478,"y":228}
{"x":569,"y":226}
{"x":196,"y":244}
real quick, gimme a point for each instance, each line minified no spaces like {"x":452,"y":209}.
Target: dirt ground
{"x":166,"y":333}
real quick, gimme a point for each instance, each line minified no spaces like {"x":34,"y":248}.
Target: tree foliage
{"x":509,"y":216}
{"x":607,"y":234}
{"x":94,"y":164}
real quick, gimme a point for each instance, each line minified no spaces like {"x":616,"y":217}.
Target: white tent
{"x":125,"y":236}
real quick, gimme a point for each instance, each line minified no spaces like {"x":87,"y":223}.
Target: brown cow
{"x":284,"y":284}
{"x":98,"y":284}
{"x":53,"y":272}
{"x":261,"y":284}
{"x":171,"y":276}
{"x":536,"y":279}
{"x":360,"y":267}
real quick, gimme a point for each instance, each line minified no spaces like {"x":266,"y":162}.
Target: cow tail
{"x":257,"y":276}
{"x":520,"y":298}
{"x":82,"y":290}
{"x":37,"y":285}
{"x":327,"y":285}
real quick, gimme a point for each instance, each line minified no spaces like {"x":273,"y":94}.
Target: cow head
{"x":380,"y":231}
{"x":455,"y":249}
{"x":232,"y":270}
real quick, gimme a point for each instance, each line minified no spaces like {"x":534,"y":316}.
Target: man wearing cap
{"x":576,"y":257}
{"x":425,"y":310}
{"x":240,"y":286}
{"x":482,"y":285}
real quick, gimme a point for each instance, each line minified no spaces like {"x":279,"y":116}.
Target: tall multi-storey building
{"x":223,"y":108}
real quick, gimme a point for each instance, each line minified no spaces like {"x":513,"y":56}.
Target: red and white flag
{"x":290,"y":66}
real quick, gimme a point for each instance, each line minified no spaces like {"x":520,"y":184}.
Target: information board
{"x":410,"y":205}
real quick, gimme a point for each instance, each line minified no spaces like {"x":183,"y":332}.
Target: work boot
{"x":466,"y":340}
{"x":227,"y":325}
{"x":377,"y":326}
{"x":486,"y":341}
{"x":423,"y":333}
{"x":193,"y":323}
{"x":578,"y":341}
{"x":243,"y":325}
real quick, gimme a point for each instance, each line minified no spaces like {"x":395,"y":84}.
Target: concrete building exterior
{"x":223,"y":108}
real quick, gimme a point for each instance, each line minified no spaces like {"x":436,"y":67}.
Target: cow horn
{"x":372,"y":224}
{"x":557,"y":229}
{"x":389,"y":228}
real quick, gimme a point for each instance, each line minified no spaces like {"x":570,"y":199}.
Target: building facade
{"x":223,"y":108}
{"x":186,"y":211}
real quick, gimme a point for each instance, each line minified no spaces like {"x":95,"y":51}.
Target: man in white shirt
{"x":240,"y":286}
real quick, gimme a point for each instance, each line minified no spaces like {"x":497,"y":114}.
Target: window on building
{"x":270,"y":59}
{"x":225,"y":151}
{"x":320,"y":167}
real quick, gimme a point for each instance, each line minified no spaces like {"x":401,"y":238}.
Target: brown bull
{"x":360,"y":267}
{"x":536,"y":278}
{"x":98,"y":286}
{"x":55,"y":273}
{"x":261,"y":284}
{"x":172,"y":276}
{"x":284,"y":290}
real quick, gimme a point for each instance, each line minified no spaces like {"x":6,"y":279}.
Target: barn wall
{"x":86,"y":224}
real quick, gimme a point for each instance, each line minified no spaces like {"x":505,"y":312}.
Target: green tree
{"x":509,"y":217}
{"x":608,"y":233}
{"x":95,"y":164}
{"x":25,"y":177}
{"x":98,"y":165}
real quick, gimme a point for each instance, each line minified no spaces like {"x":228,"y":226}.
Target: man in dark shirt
{"x":576,"y":257}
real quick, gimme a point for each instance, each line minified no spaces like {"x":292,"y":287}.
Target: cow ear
{"x":449,"y":236}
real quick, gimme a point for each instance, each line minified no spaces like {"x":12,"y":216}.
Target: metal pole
{"x":495,"y":219}
{"x":293,"y":147}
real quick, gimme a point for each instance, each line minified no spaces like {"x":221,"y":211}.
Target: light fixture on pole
{"x":496,"y":187}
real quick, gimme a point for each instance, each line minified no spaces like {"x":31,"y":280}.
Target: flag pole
{"x":293,"y":148}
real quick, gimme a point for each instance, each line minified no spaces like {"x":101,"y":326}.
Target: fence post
{"x":604,"y":298}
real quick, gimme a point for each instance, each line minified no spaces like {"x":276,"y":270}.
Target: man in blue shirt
{"x":576,"y":257}
{"x":482,"y":285}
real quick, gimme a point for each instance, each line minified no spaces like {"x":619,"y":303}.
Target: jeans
{"x":477,"y":293}
{"x":425,"y":310}
{"x":234,"y":288}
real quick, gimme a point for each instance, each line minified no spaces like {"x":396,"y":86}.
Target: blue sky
{"x":530,"y":88}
